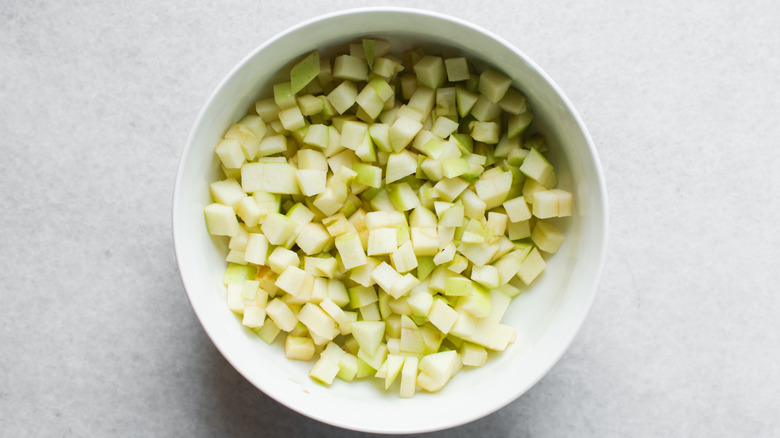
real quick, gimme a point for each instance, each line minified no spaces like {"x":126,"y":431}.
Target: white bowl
{"x":547,"y":316}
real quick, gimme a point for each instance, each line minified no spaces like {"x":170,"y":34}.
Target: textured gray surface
{"x":96,"y":102}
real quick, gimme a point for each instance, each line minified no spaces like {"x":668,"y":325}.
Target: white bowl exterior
{"x":547,"y":316}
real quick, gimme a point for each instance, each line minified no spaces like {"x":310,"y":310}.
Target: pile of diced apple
{"x":383,"y":212}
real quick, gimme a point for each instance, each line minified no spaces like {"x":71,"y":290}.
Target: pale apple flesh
{"x":382,"y":211}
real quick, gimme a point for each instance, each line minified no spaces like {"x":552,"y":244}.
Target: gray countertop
{"x":98,"y":337}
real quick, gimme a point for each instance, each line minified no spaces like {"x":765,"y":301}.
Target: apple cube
{"x":227,"y":192}
{"x":245,"y":137}
{"x":343,"y":97}
{"x":519,"y":123}
{"x":473,"y":206}
{"x":348,"y":367}
{"x":479,"y":254}
{"x":449,"y":189}
{"x":436,"y":369}
{"x":517,"y":209}
{"x":299,"y":348}
{"x":430,"y":71}
{"x":256,"y":249}
{"x":382,"y":241}
{"x":484,"y":110}
{"x":292,"y":118}
{"x":281,"y":315}
{"x":485,"y":275}
{"x":551,"y":203}
{"x":493,"y":335}
{"x":368,"y":175}
{"x":278,"y":228}
{"x":337,"y":292}
{"x":425,"y":241}
{"x":304,"y":71}
{"x":402,"y":131}
{"x":445,"y":255}
{"x":317,"y":136}
{"x":486,"y":132}
{"x":385,"y":276}
{"x":373,"y":360}
{"x":420,"y":302}
{"x":221,"y":220}
{"x":442,"y":315}
{"x":291,"y":280}
{"x":422,"y":217}
{"x":311,"y":181}
{"x":412,"y":340}
{"x":281,"y":258}
{"x":403,"y":286}
{"x":400,"y":165}
{"x":493,"y":187}
{"x":457,"y":69}
{"x":312,"y":238}
{"x":465,"y":100}
{"x":494,"y":85}
{"x":532,"y":265}
{"x":351,"y":251}
{"x":324,"y":370}
{"x":513,"y":102}
{"x":547,"y":237}
{"x":350,"y":68}
{"x":269,"y":177}
{"x":473,"y":355}
{"x":268,"y":332}
{"x":318,"y":321}
{"x":402,"y":196}
{"x":369,"y":335}
{"x":403,"y":258}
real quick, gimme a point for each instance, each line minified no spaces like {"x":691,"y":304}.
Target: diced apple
{"x":437,"y":369}
{"x":369,"y":335}
{"x":494,"y":85}
{"x":221,"y":220}
{"x":517,"y":209}
{"x":382,"y":241}
{"x":343,"y":97}
{"x":385,"y":276}
{"x":402,"y":131}
{"x":313,"y":238}
{"x":311,"y":181}
{"x":351,"y":251}
{"x":299,"y":348}
{"x":547,"y":237}
{"x":281,"y":258}
{"x":425,"y":241}
{"x":318,"y":321}
{"x":531,"y":266}
{"x":227,"y":192}
{"x":473,"y":355}
{"x":486,"y":276}
{"x":457,"y":69}
{"x":256,"y":249}
{"x":269,"y":177}
{"x":519,"y":123}
{"x":493,"y":187}
{"x":430,"y":71}
{"x":278,"y":228}
{"x":350,"y":68}
{"x":403,"y":286}
{"x":404,"y":258}
{"x":281,"y":315}
{"x":400,"y":165}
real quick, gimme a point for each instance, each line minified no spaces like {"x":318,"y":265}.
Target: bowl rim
{"x":597,"y":167}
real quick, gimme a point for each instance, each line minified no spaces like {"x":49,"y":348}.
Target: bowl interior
{"x":547,"y":316}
